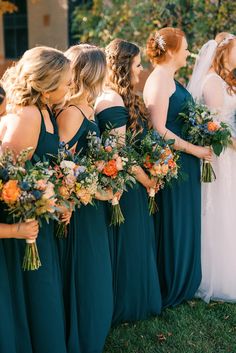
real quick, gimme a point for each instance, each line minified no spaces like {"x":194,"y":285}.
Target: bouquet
{"x":75,"y":180}
{"x":159,"y":161}
{"x":64,"y":181}
{"x":201,"y":129}
{"x":113,"y":162}
{"x":28,"y":193}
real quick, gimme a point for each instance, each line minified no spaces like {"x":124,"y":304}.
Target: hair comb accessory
{"x":159,"y":39}
{"x":226,"y":40}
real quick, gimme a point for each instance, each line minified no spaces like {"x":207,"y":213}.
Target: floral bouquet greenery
{"x":113,"y":161}
{"x":201,"y":129}
{"x":75,"y":181}
{"x":28,"y":193}
{"x":159,"y":161}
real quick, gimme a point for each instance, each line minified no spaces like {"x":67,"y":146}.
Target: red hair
{"x":221,"y":55}
{"x":159,"y":42}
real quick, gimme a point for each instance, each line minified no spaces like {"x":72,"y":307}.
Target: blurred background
{"x":61,"y":23}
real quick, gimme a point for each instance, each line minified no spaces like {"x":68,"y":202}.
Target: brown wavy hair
{"x":88,"y":64}
{"x":2,"y":94}
{"x":171,"y":39}
{"x":120,"y":55}
{"x":222,"y":52}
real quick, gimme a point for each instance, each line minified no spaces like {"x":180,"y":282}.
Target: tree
{"x":133,"y":20}
{"x":7,"y":6}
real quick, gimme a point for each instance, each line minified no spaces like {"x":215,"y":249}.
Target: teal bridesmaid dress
{"x":37,"y":295}
{"x":7,"y":326}
{"x":86,"y":269}
{"x":178,"y":222}
{"x":132,"y":244}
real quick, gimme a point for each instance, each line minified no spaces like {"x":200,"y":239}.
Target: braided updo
{"x":159,"y":42}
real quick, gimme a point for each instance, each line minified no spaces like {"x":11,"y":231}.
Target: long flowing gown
{"x":86,"y":268}
{"x":178,"y":221}
{"x":37,"y":295}
{"x":218,"y":218}
{"x":7,"y":325}
{"x":135,"y":277}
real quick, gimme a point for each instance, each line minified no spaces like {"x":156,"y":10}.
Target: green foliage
{"x":133,"y":20}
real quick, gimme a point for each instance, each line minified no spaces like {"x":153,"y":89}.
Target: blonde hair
{"x":225,"y":43}
{"x":40,"y":70}
{"x":88,"y":64}
{"x":120,"y":55}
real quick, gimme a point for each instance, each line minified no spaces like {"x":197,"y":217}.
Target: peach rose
{"x":119,"y":163}
{"x":108,"y":148}
{"x":41,"y":184}
{"x":164,"y":169}
{"x":100,"y":165}
{"x":63,"y":191}
{"x":84,"y":196}
{"x":11,"y":191}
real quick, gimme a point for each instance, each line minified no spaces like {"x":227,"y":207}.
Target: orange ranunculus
{"x":212,"y":126}
{"x":171,"y":164}
{"x":147,"y":164}
{"x":110,"y":169}
{"x":11,"y":191}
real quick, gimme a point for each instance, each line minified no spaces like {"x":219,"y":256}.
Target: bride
{"x":214,"y":83}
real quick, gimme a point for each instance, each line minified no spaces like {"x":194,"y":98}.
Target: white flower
{"x":67,"y":165}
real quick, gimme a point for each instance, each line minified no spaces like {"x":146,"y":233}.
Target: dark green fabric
{"x":7,"y":325}
{"x":132,"y":245}
{"x":37,"y":295}
{"x":178,"y":222}
{"x":86,"y":258}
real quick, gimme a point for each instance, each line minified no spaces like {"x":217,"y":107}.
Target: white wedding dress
{"x":219,"y":207}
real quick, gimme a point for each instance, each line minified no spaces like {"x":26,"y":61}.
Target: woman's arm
{"x":157,"y":92}
{"x":24,"y":230}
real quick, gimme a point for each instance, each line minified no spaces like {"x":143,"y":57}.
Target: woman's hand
{"x":65,"y":213}
{"x":202,"y":153}
{"x":233,"y":139}
{"x":24,"y":230}
{"x":106,"y":195}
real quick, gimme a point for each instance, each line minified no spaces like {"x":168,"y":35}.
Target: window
{"x":16,"y":31}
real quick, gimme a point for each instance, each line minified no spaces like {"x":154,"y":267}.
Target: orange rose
{"x":110,"y":169}
{"x":147,"y":164}
{"x":212,"y":126}
{"x":11,"y":191}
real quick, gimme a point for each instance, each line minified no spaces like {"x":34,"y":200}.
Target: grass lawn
{"x":193,"y":327}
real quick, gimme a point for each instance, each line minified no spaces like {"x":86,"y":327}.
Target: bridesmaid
{"x":7,"y":327}
{"x":41,"y":77}
{"x":136,"y":284}
{"x":86,"y":255}
{"x":178,"y":221}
